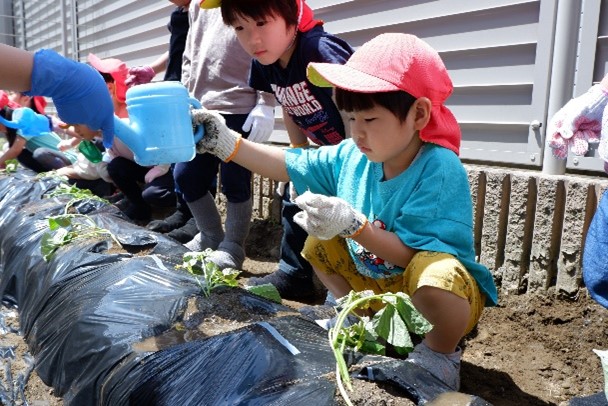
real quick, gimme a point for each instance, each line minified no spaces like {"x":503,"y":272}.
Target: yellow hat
{"x":210,"y":3}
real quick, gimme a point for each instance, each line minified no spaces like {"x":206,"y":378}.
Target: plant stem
{"x":334,"y":333}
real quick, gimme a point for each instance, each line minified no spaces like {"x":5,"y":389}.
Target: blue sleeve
{"x":438,"y":214}
{"x":326,"y":48}
{"x":315,"y":170}
{"x":595,"y":255}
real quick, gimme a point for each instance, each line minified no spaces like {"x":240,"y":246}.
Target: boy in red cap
{"x":37,"y":152}
{"x":283,"y":38}
{"x":36,"y":103}
{"x":390,"y":209}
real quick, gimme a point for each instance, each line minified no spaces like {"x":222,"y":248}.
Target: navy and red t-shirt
{"x":310,"y":107}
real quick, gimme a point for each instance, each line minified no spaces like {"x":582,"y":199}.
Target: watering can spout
{"x":27,"y":122}
{"x":127,"y":133}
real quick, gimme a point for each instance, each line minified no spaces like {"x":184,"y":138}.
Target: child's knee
{"x":445,"y":273}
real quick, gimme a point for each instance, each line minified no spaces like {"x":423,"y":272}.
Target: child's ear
{"x":422,"y":112}
{"x":111,"y":88}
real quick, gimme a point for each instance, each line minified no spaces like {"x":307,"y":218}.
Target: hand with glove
{"x":78,"y":91}
{"x":219,"y":140}
{"x":602,"y":149}
{"x":578,"y":123}
{"x":139,"y":75}
{"x":325,"y":217}
{"x":259,"y":123}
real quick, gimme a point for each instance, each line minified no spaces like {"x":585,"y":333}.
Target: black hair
{"x":11,"y":133}
{"x":107,"y":77}
{"x":34,"y":107}
{"x":398,"y":102}
{"x":259,"y":10}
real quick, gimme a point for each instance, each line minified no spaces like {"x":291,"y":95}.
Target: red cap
{"x":115,"y":67}
{"x":393,"y":62}
{"x":306,"y":20}
{"x":40,"y":103}
{"x":5,"y":101}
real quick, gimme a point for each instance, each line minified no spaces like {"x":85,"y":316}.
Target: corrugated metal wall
{"x":499,"y":53}
{"x":493,"y":51}
{"x":134,"y":31}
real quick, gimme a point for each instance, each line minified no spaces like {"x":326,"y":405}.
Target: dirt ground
{"x":530,"y":350}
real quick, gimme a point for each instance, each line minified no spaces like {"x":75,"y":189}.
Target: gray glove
{"x":325,"y":217}
{"x":218,"y":140}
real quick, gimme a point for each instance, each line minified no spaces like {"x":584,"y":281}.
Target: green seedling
{"x":267,"y":291}
{"x":10,"y":166}
{"x":391,"y":325}
{"x":207,"y":274}
{"x":66,"y":228}
{"x":76,"y":194}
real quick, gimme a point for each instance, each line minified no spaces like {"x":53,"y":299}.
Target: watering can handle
{"x":200,"y":128}
{"x":9,"y":124}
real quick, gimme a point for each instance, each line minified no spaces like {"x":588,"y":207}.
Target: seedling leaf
{"x":267,"y":291}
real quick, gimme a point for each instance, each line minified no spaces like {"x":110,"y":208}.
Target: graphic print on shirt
{"x":369,"y":264}
{"x":307,"y":112}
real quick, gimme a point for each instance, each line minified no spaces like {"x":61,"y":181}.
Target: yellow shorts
{"x":426,"y":268}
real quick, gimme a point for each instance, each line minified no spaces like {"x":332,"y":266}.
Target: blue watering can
{"x":159,"y":129}
{"x":27,"y":122}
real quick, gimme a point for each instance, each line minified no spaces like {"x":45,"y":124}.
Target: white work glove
{"x":325,"y":217}
{"x":218,"y":140}
{"x":155,"y":172}
{"x":139,"y":75}
{"x":578,"y":123}
{"x":259,"y":123}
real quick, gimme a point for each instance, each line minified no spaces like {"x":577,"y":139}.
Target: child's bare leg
{"x":336,"y":284}
{"x":439,"y":353}
{"x":448,"y":313}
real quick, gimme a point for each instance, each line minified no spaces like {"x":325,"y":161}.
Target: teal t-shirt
{"x":428,"y":205}
{"x":46,"y":140}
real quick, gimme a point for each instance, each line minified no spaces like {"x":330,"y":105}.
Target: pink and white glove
{"x":602,"y":149}
{"x":155,"y":172}
{"x":259,"y":123}
{"x":139,"y":75}
{"x":578,"y":123}
{"x":325,"y":217}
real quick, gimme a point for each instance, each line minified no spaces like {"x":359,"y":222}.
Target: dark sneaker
{"x":123,"y":204}
{"x":174,"y":221}
{"x":184,"y":233}
{"x":289,"y":287}
{"x":116,"y":197}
